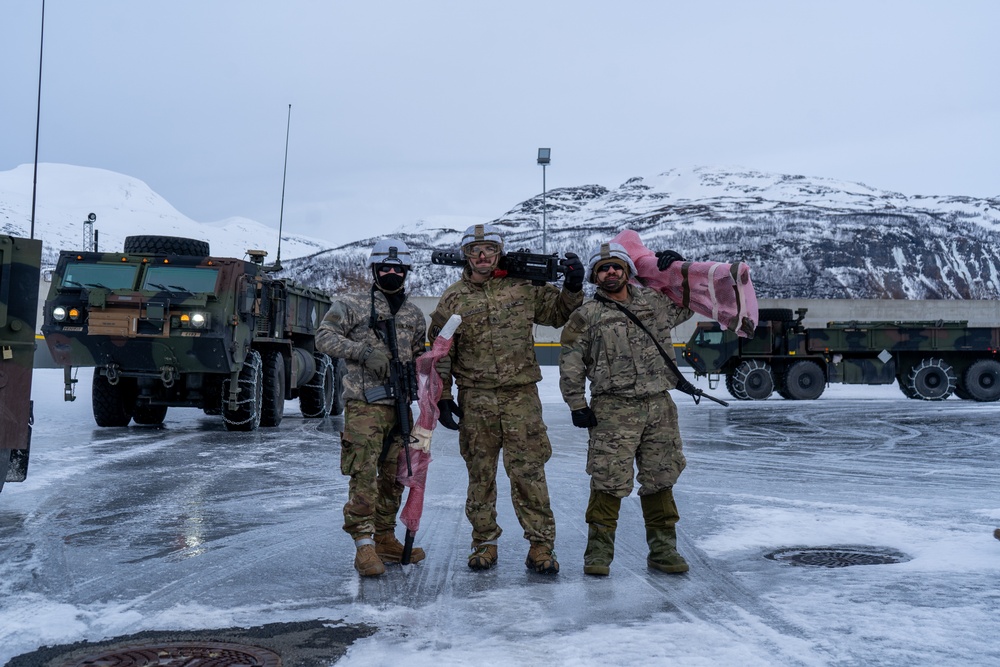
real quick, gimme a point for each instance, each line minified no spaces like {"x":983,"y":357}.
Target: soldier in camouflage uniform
{"x":354,"y":329}
{"x":493,"y":362}
{"x":632,"y":419}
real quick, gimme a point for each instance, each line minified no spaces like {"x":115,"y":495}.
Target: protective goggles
{"x":486,"y":250}
{"x":391,"y":268}
{"x":607,"y":266}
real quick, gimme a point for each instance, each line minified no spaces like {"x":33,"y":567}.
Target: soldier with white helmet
{"x":492,"y":360}
{"x":355,"y":329}
{"x":631,"y":418}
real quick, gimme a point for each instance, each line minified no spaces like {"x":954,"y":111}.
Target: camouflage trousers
{"x":373,"y":494}
{"x":507,"y":420}
{"x":634,"y":433}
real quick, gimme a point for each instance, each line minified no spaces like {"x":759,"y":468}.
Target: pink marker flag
{"x":429,"y":388}
{"x":717,"y":290}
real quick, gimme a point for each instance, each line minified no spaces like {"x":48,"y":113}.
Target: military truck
{"x":165,"y":324}
{"x":19,"y":270}
{"x":930,"y":360}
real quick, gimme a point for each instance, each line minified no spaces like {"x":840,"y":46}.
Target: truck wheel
{"x":730,"y":388}
{"x":273,"y":408}
{"x":246,"y":416}
{"x":804,"y":381}
{"x":166,"y":245}
{"x":982,"y":380}
{"x":149,"y":414}
{"x":113,"y":403}
{"x":316,"y":398}
{"x":753,"y":381}
{"x":775,"y":314}
{"x":932,"y":380}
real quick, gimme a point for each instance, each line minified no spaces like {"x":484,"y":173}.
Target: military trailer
{"x":19,"y":270}
{"x":165,"y":324}
{"x":930,"y":360}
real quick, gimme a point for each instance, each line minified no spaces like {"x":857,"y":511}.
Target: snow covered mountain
{"x":802,"y":237}
{"x":124,"y":206}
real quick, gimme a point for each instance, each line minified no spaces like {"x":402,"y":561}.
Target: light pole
{"x":544,"y":156}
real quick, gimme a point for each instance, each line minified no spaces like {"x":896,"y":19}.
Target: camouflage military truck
{"x":19,"y":269}
{"x":165,"y":324}
{"x":929,"y":360}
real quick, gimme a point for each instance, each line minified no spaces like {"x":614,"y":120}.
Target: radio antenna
{"x":284,"y":176}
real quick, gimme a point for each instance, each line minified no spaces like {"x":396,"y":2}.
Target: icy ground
{"x":191,"y":527}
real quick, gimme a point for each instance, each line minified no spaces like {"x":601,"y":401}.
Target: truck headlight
{"x":198,"y":320}
{"x":59,"y":314}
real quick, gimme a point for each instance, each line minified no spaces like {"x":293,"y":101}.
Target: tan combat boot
{"x":366,"y":561}
{"x":541,"y":559}
{"x":390,"y":550}
{"x":483,"y":556}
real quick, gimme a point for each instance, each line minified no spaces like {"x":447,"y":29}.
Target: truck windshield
{"x":192,"y":280}
{"x":108,"y":276}
{"x":709,"y":337}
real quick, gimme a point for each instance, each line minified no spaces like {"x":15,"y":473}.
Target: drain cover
{"x":838,"y":556}
{"x":186,"y":654}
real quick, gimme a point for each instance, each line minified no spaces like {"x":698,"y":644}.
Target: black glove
{"x":584,"y":418}
{"x":574,"y":272}
{"x":376,"y":361}
{"x":665,"y":258}
{"x":448,"y":407}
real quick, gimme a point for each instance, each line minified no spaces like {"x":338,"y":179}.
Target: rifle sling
{"x":663,"y":353}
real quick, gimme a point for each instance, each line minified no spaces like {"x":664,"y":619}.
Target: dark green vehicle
{"x":19,"y":270}
{"x":930,"y":360}
{"x":165,"y":324}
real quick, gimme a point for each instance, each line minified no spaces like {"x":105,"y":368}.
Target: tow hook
{"x":112,"y":371}
{"x":168,"y":374}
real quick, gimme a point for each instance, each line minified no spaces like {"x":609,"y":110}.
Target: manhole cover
{"x":840,"y":556}
{"x":186,"y":654}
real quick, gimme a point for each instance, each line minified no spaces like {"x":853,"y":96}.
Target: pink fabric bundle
{"x":717,"y":290}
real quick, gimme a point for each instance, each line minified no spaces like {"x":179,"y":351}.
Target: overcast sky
{"x":404,"y":110}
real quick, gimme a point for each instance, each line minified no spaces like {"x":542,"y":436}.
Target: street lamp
{"x":544,"y":156}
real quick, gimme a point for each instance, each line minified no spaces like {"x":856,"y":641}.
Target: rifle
{"x":400,"y":386}
{"x":518,"y":264}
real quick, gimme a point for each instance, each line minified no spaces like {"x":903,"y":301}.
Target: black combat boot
{"x":660,"y":513}
{"x":602,"y":520}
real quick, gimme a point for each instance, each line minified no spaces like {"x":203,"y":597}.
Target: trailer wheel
{"x":932,"y":380}
{"x":112,"y":403}
{"x":316,"y":398}
{"x":803,"y":381}
{"x":753,"y":380}
{"x":246,"y":416}
{"x":166,"y":245}
{"x":149,"y":414}
{"x":273,"y":406}
{"x":982,"y":380}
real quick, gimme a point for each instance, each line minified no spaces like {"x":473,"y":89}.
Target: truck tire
{"x":273,"y":406}
{"x":775,"y":314}
{"x":753,"y":380}
{"x":4,"y":464}
{"x":730,"y":388}
{"x":166,"y":245}
{"x":803,"y":381}
{"x":149,"y":415}
{"x":113,"y":403}
{"x":982,"y":380}
{"x":316,"y":398}
{"x":246,"y":416}
{"x":932,"y":380}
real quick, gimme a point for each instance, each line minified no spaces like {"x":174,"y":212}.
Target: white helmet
{"x":480,"y":234}
{"x":614,"y":252}
{"x":390,"y":251}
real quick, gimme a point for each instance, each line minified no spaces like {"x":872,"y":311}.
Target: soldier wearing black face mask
{"x":354,"y":329}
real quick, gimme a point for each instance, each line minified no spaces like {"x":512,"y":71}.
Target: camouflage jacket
{"x":495,"y":346}
{"x":345,"y":334}
{"x":602,"y":344}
